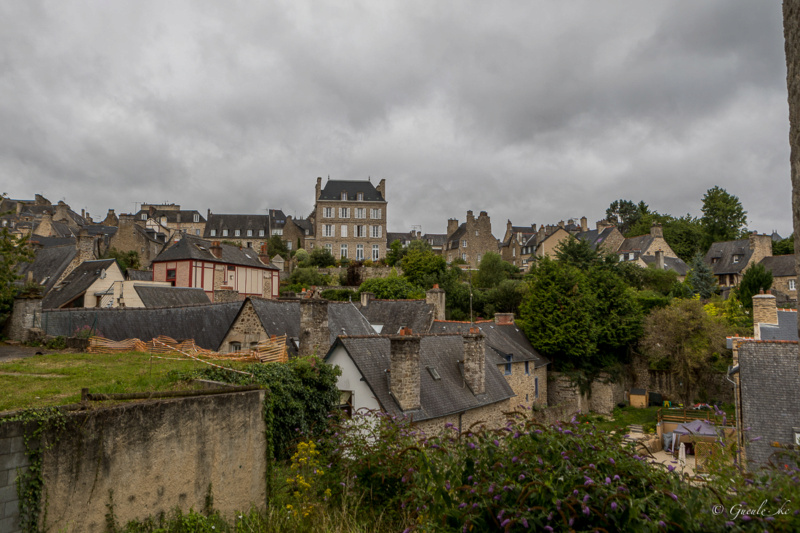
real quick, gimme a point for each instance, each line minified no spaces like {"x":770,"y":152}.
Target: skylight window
{"x":434,"y":373}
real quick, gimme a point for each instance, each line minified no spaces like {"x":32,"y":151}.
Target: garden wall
{"x":154,"y":456}
{"x":712,"y":388}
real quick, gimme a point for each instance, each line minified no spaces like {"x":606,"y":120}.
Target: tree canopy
{"x":755,"y":279}
{"x":13,"y":251}
{"x":724,"y":218}
{"x":701,"y":279}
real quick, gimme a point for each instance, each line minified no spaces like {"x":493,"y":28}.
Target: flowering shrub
{"x":527,"y":476}
{"x":303,"y":484}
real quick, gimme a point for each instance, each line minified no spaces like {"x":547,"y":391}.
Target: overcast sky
{"x":533,"y":111}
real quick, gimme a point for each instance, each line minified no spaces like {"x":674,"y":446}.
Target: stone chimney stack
{"x":601,"y":225}
{"x":561,"y":224}
{"x":263,"y":256}
{"x":509,"y":226}
{"x":761,"y":246}
{"x":475,"y":360}
{"x":381,"y":188}
{"x":85,"y":246}
{"x":470,"y":218}
{"x":110,"y":220}
{"x":584,"y":225}
{"x":436,"y":298}
{"x":318,"y":189}
{"x":656,"y":230}
{"x":503,"y":319}
{"x":765,"y":311}
{"x":216,"y":249}
{"x":315,"y":334}
{"x":366,"y":297}
{"x":660,"y":259}
{"x":405,"y":369}
{"x":452,"y":226}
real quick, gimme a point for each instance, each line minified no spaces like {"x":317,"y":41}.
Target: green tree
{"x":492,"y":271}
{"x":683,"y":337}
{"x":616,"y":314}
{"x":505,"y":298}
{"x":276,"y":246}
{"x":125,"y":260}
{"x":701,"y":278}
{"x":724,"y":218}
{"x":13,"y":251}
{"x":392,"y":288}
{"x":578,"y":253}
{"x":303,"y":258}
{"x":625,"y":213}
{"x":755,"y":279}
{"x":395,"y":254}
{"x":421,"y":266}
{"x":783,"y":247}
{"x":305,"y":278}
{"x":321,"y":257}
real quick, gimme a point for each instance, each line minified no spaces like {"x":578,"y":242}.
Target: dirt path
{"x":10,"y":352}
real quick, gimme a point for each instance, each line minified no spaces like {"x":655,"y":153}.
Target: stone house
{"x":522,"y":366}
{"x":218,"y":268}
{"x":605,"y":238}
{"x":513,"y":242}
{"x":388,"y":317}
{"x":470,"y":240}
{"x":729,"y":259}
{"x":543,"y":243}
{"x":436,"y":240}
{"x":784,"y":278}
{"x":432,"y":379}
{"x":349,"y":219}
{"x":134,"y":237}
{"x":634,"y":248}
{"x":90,"y":284}
{"x":170,"y":220}
{"x":298,"y":233}
{"x":245,"y":231}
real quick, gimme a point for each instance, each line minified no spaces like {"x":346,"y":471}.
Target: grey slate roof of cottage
{"x":48,"y":265}
{"x":190,"y":247}
{"x":594,"y":237}
{"x":784,"y":330}
{"x":155,"y":296}
{"x":392,"y":236}
{"x":231,"y":223}
{"x":636,"y":244}
{"x":435,"y":239}
{"x":396,"y":314}
{"x":76,"y":283}
{"x":333,"y":190}
{"x":670,"y":263}
{"x":438,"y":398}
{"x":724,"y":253}
{"x":138,"y":275}
{"x":305,"y":225}
{"x":48,"y":242}
{"x":505,"y":339}
{"x":770,"y":389}
{"x":453,"y":240}
{"x":344,"y":318}
{"x":186,"y":215}
{"x":780,"y":265}
{"x":206,"y":324}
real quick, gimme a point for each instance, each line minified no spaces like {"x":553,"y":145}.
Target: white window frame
{"x":360,"y":212}
{"x":213,"y":233}
{"x":360,"y":196}
{"x":344,"y":212}
{"x":360,"y":230}
{"x":377,"y":232}
{"x":327,"y":212}
{"x":464,"y":243}
{"x":342,"y":251}
{"x":196,"y":218}
{"x":344,"y":196}
{"x":359,"y":252}
{"x":261,"y":233}
{"x":376,"y":252}
{"x":328,"y":231}
{"x":329,"y":247}
{"x":224,"y":233}
{"x":343,"y":233}
{"x":375,"y":214}
{"x":792,"y":285}
{"x":237,"y":233}
{"x":249,"y":233}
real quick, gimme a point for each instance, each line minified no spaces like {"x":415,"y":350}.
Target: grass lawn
{"x":647,"y":418}
{"x":57,"y":379}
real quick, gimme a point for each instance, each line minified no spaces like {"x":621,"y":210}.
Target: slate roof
{"x":47,"y":242}
{"x":594,"y":237}
{"x":48,"y":265}
{"x":636,"y":244}
{"x":76,"y":283}
{"x":723,"y":252}
{"x":305,"y":225}
{"x":344,"y":318}
{"x":100,"y":229}
{"x":396,"y":314}
{"x":438,"y":398}
{"x":784,"y":330}
{"x":277,"y":218}
{"x":435,"y":239}
{"x":333,"y":190}
{"x":60,"y":229}
{"x":206,"y":324}
{"x":138,"y":275}
{"x":234,"y":222}
{"x":670,"y":263}
{"x":501,"y":340}
{"x":770,"y":389}
{"x":392,"y":236}
{"x":190,"y":247}
{"x":155,"y":296}
{"x":455,"y":238}
{"x":780,"y":265}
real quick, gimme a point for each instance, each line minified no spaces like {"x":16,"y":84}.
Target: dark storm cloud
{"x":535,"y":112}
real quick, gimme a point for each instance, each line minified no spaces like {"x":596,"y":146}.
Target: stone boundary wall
{"x":155,"y":456}
{"x":713,"y":388}
{"x":561,"y":391}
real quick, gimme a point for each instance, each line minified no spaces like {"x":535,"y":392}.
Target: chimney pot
{"x":404,"y":370}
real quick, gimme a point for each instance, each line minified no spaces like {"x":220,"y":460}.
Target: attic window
{"x":736,"y":258}
{"x":508,"y":365}
{"x":360,"y":196}
{"x":714,"y":260}
{"x":434,"y":373}
{"x":196,"y":217}
{"x":144,"y":216}
{"x":344,"y":195}
{"x":213,"y":233}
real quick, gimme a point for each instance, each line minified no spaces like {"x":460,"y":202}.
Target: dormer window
{"x":224,"y":233}
{"x":213,"y":233}
{"x":736,"y":258}
{"x":249,"y":233}
{"x":144,"y":216}
{"x":163,"y":221}
{"x":196,"y":217}
{"x":360,"y":196}
{"x":261,"y":233}
{"x":237,"y":232}
{"x":344,"y":196}
{"x":714,"y":260}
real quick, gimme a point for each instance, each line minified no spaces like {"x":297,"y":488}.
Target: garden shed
{"x":639,"y":398}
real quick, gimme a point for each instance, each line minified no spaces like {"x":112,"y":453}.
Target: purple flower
{"x":549,"y":517}
{"x":540,"y":460}
{"x":514,"y":459}
{"x":586,"y":499}
{"x":745,"y":518}
{"x":524,"y":523}
{"x":673,"y":496}
{"x":447,"y":485}
{"x":616,"y":477}
{"x":575,"y":492}
{"x":568,"y":432}
{"x":521,"y":477}
{"x":670,"y":468}
{"x":469,"y":478}
{"x":500,"y":515}
{"x":548,"y":529}
{"x":608,"y":480}
{"x":588,"y":482}
{"x":586,"y":511}
{"x":662,"y":524}
{"x":496,"y":442}
{"x":505,"y":522}
{"x":571,"y":521}
{"x":506,"y":488}
{"x":613,"y":506}
{"x":462,"y":505}
{"x":730,"y":524}
{"x":539,"y":431}
{"x":591,"y":465}
{"x":497,"y":497}
{"x":755,"y":439}
{"x":474,"y":505}
{"x":448,"y":425}
{"x":610,"y":460}
{"x":471,"y":445}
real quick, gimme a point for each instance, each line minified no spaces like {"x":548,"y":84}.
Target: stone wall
{"x":314,"y":330}
{"x":24,"y":316}
{"x":404,"y":377}
{"x":246,"y":330}
{"x":155,"y":456}
{"x":606,"y":394}
{"x":562,"y":391}
{"x":525,"y":385}
{"x":713,"y":387}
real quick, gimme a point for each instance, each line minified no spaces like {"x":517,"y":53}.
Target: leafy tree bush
{"x":783,"y":247}
{"x":12,"y":252}
{"x":392,"y":288}
{"x":305,"y":278}
{"x":125,"y":260}
{"x":276,"y":246}
{"x":724,"y":218}
{"x":341,"y":295}
{"x":421,"y":266}
{"x":755,"y":279}
{"x":505,"y":298}
{"x":492,"y":271}
{"x":395,"y":254}
{"x":321,"y":257}
{"x":701,"y":278}
{"x":303,"y":258}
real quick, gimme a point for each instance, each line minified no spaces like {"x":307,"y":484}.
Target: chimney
{"x":584,"y":225}
{"x":315,"y":335}
{"x":366,"y":297}
{"x":761,"y":246}
{"x":263,"y":256}
{"x":83,"y":213}
{"x":504,"y":319}
{"x":656,"y":231}
{"x":318,"y":189}
{"x":533,"y":228}
{"x":470,"y":217}
{"x":660,"y":259}
{"x":436,"y":297}
{"x":178,"y":217}
{"x":405,"y":369}
{"x":475,"y":361}
{"x":508,"y":226}
{"x":216,"y":249}
{"x":452,"y":226}
{"x":85,"y":245}
{"x":765,"y":311}
{"x":560,"y":223}
{"x":381,"y":188}
{"x":603,"y":224}
{"x":208,"y":214}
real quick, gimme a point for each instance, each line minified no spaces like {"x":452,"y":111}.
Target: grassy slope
{"x":57,"y":379}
